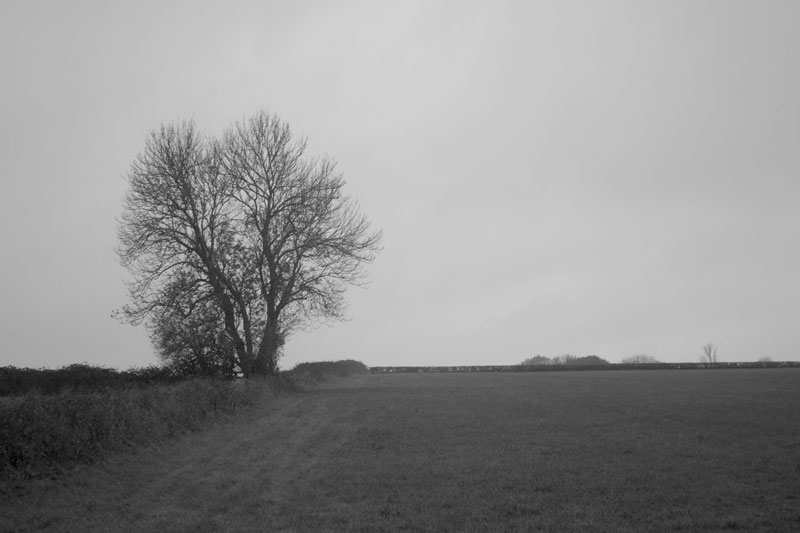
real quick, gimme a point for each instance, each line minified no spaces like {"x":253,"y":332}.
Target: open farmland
{"x":633,"y":450}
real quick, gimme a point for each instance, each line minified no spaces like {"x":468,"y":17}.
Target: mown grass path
{"x":601,"y":451}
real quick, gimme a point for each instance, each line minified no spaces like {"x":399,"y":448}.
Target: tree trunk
{"x":271,"y":341}
{"x":244,"y":355}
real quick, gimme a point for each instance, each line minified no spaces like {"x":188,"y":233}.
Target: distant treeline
{"x":79,"y":377}
{"x":566,"y":359}
{"x":577,"y":367}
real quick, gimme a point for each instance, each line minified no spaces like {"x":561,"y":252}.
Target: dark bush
{"x":319,"y":371}
{"x":589,"y":360}
{"x":152,"y":375}
{"x":40,"y":434}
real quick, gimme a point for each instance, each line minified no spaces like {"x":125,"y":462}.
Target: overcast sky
{"x":582,"y":177}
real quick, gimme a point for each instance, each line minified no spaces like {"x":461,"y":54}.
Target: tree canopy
{"x":244,"y":235}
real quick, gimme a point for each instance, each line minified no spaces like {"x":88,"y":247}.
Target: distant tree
{"x":709,"y":353}
{"x":257,"y":233}
{"x":566,"y":359}
{"x":640,"y":359}
{"x":537,"y":360}
{"x":765,"y":359}
{"x":589,"y":360}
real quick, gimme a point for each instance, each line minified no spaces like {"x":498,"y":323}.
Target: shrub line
{"x":42,"y":435}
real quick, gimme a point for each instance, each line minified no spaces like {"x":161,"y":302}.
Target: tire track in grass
{"x":306,"y":438}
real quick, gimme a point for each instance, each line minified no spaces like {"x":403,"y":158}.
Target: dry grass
{"x":599,"y":451}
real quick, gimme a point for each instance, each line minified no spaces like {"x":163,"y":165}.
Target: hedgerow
{"x":75,"y":415}
{"x":40,"y":434}
{"x":79,"y":377}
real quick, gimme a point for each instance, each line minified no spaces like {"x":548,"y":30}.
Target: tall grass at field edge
{"x":41,"y":435}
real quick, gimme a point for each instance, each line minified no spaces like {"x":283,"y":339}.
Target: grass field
{"x":590,"y":451}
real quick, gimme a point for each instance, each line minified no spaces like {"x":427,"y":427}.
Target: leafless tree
{"x":709,"y":353}
{"x":248,"y":222}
